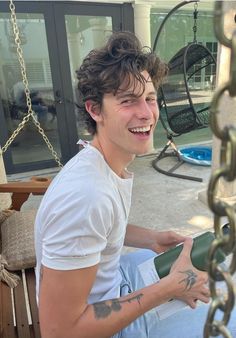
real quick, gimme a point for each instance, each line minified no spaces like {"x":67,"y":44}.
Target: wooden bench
{"x":18,"y":307}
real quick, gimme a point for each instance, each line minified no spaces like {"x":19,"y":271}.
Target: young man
{"x":85,"y":288}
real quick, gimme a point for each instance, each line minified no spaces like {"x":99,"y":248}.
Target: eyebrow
{"x":153,"y":93}
{"x":122,"y":95}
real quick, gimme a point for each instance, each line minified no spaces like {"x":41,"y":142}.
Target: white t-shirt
{"x":82,"y":221}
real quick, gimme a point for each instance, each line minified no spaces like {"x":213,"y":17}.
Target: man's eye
{"x":126,"y":101}
{"x":151,"y":99}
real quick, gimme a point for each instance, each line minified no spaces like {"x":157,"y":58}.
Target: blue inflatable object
{"x":196,"y":155}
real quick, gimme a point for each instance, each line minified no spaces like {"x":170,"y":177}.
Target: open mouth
{"x":141,"y":130}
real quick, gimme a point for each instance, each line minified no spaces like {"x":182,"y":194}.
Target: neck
{"x":116,"y":159}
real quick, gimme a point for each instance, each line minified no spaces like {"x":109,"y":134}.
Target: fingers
{"x":203,"y":296}
{"x":187,"y":247}
{"x":193,"y":304}
{"x":181,"y":239}
{"x":176,"y":238}
{"x":204,"y":299}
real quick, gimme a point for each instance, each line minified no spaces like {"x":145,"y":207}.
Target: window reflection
{"x":84,"y":33}
{"x":29,"y":145}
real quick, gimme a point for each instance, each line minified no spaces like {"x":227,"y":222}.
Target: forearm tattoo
{"x":105,"y":308}
{"x":190,"y":279}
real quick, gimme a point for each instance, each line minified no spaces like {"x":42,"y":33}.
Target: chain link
{"x":195,"y":15}
{"x":227,"y":171}
{"x":31,"y":114}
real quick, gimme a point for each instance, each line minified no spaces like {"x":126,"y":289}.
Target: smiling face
{"x":126,"y":121}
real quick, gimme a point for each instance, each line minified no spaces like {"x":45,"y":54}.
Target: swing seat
{"x":184,"y":104}
{"x":18,"y":307}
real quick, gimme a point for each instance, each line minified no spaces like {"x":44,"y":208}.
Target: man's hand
{"x":192,"y":282}
{"x":157,"y":241}
{"x":164,"y":240}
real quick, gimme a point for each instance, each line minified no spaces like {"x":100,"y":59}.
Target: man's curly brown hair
{"x":104,"y":70}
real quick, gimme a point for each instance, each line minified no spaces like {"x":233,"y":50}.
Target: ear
{"x":94,"y":110}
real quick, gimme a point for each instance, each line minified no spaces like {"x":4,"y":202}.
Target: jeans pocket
{"x":125,"y":285}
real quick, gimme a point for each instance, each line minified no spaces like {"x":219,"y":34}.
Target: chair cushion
{"x":17,"y":232}
{"x":3,"y":216}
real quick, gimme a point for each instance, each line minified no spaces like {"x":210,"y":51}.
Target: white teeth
{"x":140,"y":130}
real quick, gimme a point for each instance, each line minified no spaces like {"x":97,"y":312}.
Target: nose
{"x":146,"y":111}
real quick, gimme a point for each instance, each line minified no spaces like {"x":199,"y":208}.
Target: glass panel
{"x":83,"y":34}
{"x":29,"y":145}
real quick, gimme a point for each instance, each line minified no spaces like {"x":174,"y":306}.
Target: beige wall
{"x":227,"y":108}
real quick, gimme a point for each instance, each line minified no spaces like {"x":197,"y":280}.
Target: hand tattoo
{"x":104,"y":309}
{"x":190,"y":279}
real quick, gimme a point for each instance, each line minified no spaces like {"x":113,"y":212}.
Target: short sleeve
{"x":74,"y":227}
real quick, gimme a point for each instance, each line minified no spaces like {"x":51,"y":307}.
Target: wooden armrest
{"x":36,"y":186}
{"x":22,"y":189}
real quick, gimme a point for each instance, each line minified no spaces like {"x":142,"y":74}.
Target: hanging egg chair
{"x":184,"y":98}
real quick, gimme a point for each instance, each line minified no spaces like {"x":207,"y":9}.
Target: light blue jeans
{"x":186,"y":323}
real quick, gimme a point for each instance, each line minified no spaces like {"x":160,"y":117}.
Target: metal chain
{"x":227,"y":170}
{"x":195,"y":14}
{"x":31,"y":113}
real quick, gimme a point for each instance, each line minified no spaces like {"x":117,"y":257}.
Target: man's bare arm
{"x":64,"y":311}
{"x":158,"y":241}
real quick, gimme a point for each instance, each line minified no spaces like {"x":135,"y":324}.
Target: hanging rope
{"x":31,"y":114}
{"x":227,"y":170}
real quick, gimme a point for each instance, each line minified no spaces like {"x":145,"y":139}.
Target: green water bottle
{"x":199,"y":254}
